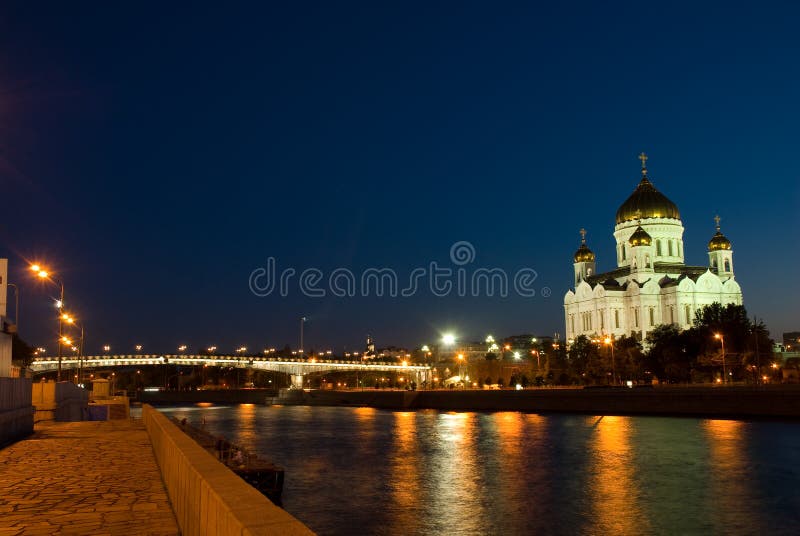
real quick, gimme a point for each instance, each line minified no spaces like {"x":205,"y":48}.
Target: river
{"x":367,"y":471}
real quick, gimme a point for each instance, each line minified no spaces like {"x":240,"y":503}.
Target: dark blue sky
{"x":156,"y":154}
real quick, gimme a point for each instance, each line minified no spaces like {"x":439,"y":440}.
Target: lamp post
{"x":724,"y":370}
{"x":610,"y":341}
{"x":302,"y":325}
{"x":69,"y":319}
{"x":44,"y":274}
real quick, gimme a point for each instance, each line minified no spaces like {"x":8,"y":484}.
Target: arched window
{"x":616,"y":318}
{"x":652,"y":317}
{"x":658,"y":247}
{"x":727,"y":265}
{"x":623,"y":252}
{"x":688,"y":314}
{"x":669,"y":247}
{"x":647,"y":261}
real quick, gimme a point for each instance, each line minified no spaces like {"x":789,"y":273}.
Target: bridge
{"x":297,"y":369}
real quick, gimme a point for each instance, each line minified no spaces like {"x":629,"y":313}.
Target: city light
{"x":517,"y":355}
{"x":138,"y":347}
{"x":448,"y":339}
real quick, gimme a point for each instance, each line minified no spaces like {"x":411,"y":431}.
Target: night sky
{"x":154,"y":155}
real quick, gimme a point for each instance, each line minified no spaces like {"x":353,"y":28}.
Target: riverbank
{"x":779,"y":401}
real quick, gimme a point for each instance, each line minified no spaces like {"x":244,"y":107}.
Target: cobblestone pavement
{"x":97,"y":478}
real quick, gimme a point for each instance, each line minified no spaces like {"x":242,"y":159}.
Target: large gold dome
{"x":647,"y":202}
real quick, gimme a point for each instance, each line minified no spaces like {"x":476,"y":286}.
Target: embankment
{"x":207,"y":497}
{"x":16,"y":410}
{"x":216,"y":396}
{"x":781,"y":401}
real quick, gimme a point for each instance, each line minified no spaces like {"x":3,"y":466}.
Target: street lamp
{"x":724,"y":371}
{"x":302,"y":325}
{"x":69,"y":319}
{"x":138,"y":347}
{"x":42,"y":273}
{"x":610,"y":342}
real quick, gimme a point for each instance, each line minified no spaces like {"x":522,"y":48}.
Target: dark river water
{"x":368,"y":471}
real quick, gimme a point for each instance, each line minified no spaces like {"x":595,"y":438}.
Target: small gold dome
{"x":646,"y":202}
{"x":719,"y":240}
{"x":584,"y":254}
{"x":640,"y":238}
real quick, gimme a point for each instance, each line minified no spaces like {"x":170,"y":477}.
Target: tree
{"x":667,"y":357}
{"x":21,"y":352}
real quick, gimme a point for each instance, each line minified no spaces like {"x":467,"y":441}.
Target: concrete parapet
{"x":16,"y":410}
{"x":207,"y":497}
{"x":59,"y":401}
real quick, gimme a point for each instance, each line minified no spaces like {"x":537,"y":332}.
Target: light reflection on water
{"x":368,"y":471}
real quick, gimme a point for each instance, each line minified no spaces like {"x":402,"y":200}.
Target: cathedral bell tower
{"x":584,"y":260}
{"x":642,"y":253}
{"x":720,"y":254}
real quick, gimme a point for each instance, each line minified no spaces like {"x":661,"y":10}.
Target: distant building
{"x":791,"y":340}
{"x":651,"y":285}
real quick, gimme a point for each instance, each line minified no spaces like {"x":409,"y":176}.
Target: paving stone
{"x":97,"y":478}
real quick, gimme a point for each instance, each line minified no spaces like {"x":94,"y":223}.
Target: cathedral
{"x":651,"y":285}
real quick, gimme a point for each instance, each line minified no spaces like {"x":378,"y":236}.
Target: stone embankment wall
{"x":16,"y":410}
{"x":216,"y":396}
{"x":59,"y":401}
{"x":207,"y":497}
{"x":779,"y":401}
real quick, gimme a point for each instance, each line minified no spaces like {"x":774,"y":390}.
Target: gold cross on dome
{"x":583,"y":235}
{"x":643,"y":158}
{"x":717,"y":220}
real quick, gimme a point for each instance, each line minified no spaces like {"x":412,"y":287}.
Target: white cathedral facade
{"x":651,"y":284}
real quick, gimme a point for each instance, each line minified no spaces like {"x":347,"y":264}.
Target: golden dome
{"x":646,"y":202}
{"x":584,"y":254}
{"x":640,"y":238}
{"x":719,"y":240}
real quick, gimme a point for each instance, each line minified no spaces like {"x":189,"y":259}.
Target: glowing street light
{"x":722,"y":340}
{"x":517,"y":356}
{"x":106,"y":348}
{"x":43,"y":273}
{"x":182,"y":348}
{"x":138,"y":347}
{"x":610,"y":341}
{"x":448,"y":339}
